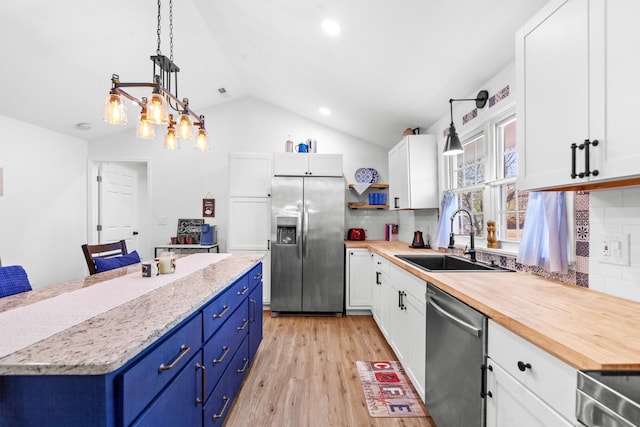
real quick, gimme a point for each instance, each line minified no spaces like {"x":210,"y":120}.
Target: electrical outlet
{"x":615,"y":249}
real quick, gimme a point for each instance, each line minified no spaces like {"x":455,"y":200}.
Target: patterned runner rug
{"x":388,"y":391}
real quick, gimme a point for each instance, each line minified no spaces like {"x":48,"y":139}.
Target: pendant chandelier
{"x":154,"y":110}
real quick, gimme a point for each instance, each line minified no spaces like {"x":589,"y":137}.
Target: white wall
{"x":613,"y":212}
{"x":43,"y":212}
{"x":179,"y":180}
{"x":44,"y":209}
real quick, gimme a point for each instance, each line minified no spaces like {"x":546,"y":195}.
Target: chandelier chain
{"x":158,"y":52}
{"x":171,"y":29}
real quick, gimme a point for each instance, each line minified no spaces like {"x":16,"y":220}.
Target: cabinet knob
{"x":523,"y":366}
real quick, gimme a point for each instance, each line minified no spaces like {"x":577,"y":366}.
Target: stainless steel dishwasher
{"x":456,"y":352}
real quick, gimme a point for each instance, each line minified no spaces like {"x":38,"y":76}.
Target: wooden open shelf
{"x":359,"y":206}
{"x":373,"y":185}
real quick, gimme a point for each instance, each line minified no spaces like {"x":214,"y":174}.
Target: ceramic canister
{"x":313,"y":145}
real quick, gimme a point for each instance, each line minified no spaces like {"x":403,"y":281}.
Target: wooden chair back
{"x":104,"y":250}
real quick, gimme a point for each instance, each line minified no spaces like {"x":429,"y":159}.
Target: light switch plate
{"x":614,"y":249}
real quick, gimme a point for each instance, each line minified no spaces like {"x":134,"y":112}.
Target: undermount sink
{"x":449,"y":263}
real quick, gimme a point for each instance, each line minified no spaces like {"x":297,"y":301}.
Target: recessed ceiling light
{"x":83,"y":126}
{"x":331,"y":27}
{"x":324,"y":111}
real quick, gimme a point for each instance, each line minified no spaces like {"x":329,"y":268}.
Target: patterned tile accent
{"x":582,"y":279}
{"x":582,"y":249}
{"x":469,"y":116}
{"x":502,"y":94}
{"x":581,"y":200}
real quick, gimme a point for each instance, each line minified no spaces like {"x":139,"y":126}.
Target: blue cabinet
{"x":224,"y":344}
{"x":188,"y":377}
{"x":180,"y":404}
{"x":255,"y":310}
{"x":153,"y":371}
{"x":218,"y":405}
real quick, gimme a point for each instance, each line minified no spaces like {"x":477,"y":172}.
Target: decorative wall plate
{"x":363,"y":176}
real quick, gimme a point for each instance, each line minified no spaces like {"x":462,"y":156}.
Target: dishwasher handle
{"x":458,"y":322}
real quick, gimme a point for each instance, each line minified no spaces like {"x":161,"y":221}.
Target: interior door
{"x":118,"y":204}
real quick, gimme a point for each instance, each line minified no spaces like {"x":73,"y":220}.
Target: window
{"x":512,"y":204}
{"x":512,"y":211}
{"x":483,"y":178}
{"x":469,"y":172}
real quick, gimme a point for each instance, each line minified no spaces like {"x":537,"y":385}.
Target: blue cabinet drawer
{"x":159,"y":365}
{"x":224,"y":344}
{"x":255,"y":276}
{"x":218,"y":405}
{"x":180,"y":404}
{"x":219,"y":310}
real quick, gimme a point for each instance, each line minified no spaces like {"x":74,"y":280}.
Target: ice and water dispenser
{"x":286,"y":230}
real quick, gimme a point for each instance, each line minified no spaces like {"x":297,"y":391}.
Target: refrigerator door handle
{"x":299,"y":231}
{"x":305,"y":222}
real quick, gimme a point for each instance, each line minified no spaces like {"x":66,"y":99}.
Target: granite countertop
{"x":587,"y":329}
{"x":107,"y":341}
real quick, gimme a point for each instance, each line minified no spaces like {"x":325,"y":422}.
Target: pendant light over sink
{"x":453,"y":146}
{"x":155,"y":108}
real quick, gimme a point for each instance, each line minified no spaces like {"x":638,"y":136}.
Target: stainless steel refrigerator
{"x":307,"y":245}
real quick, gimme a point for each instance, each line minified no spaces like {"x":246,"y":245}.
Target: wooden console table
{"x":193,"y":248}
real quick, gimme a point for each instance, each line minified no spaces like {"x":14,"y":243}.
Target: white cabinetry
{"x":358,"y":279}
{"x":305,"y":164}
{"x":413,"y":173}
{"x":380,"y":281}
{"x":527,"y":386}
{"x":574,"y":76}
{"x":407,"y":324}
{"x":249,"y":223}
{"x":399,"y":308}
{"x":250,"y":174}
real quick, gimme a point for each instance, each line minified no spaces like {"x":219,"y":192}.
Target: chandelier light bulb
{"x":115,"y":110}
{"x":171,"y":142}
{"x":185,"y":127}
{"x":144,"y":129}
{"x":202,"y":142}
{"x":157,"y":109}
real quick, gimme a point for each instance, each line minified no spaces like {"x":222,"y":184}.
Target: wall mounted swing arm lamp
{"x":453,"y":146}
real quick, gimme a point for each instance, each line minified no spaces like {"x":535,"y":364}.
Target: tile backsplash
{"x":596,"y":215}
{"x":578,"y":273}
{"x":615,"y":212}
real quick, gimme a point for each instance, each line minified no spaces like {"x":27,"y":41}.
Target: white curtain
{"x":544,"y":238}
{"x":448,"y":206}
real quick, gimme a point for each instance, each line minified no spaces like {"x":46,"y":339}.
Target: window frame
{"x":493,"y":180}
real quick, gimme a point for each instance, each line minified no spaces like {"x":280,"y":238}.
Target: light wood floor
{"x":304,"y":375}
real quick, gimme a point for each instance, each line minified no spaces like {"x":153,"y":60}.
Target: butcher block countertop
{"x":587,"y":329}
{"x":106,"y":341}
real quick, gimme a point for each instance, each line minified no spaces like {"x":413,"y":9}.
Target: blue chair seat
{"x":13,"y":280}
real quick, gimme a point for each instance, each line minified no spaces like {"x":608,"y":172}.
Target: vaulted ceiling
{"x":394,"y":65}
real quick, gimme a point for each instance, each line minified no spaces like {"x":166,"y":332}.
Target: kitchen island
{"x":131,"y":363}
